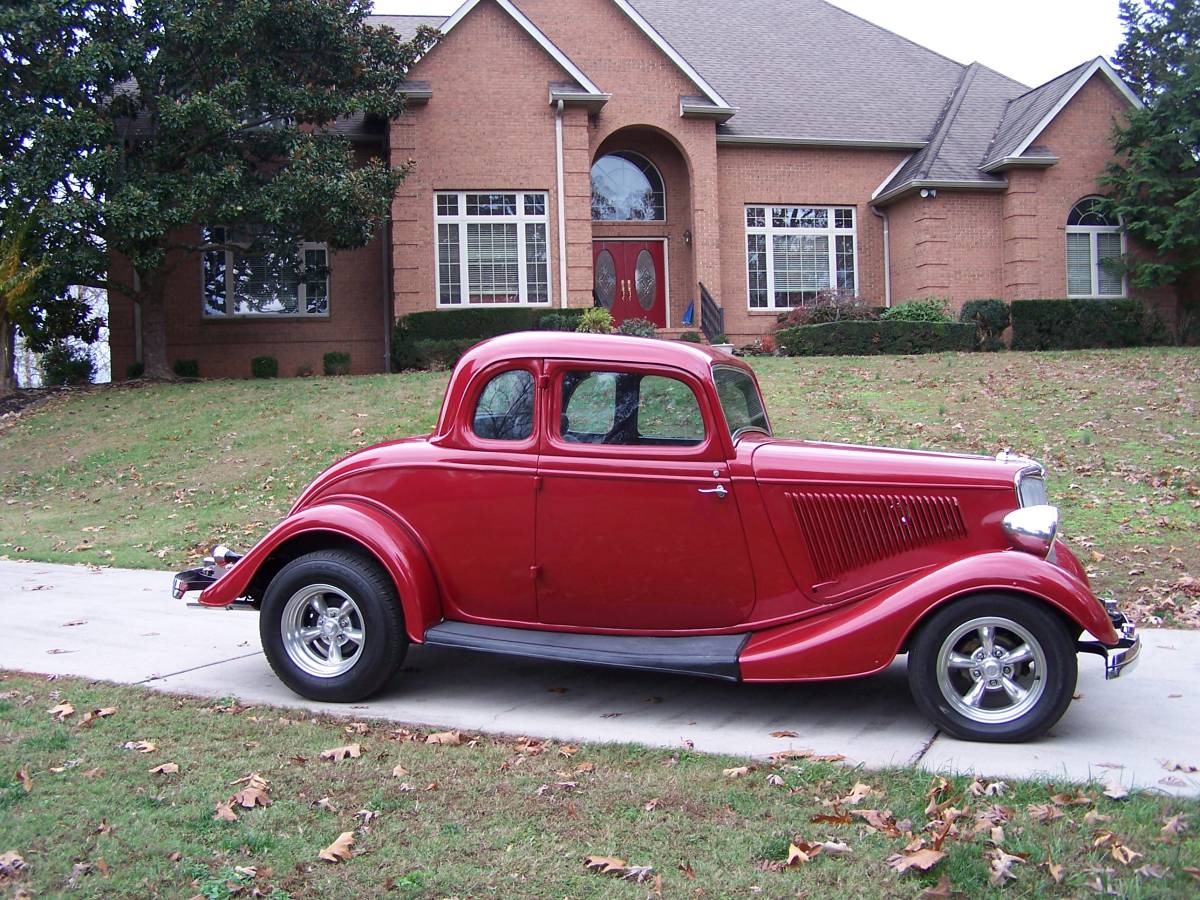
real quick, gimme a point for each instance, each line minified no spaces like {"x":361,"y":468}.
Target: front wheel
{"x":332,"y":627}
{"x":993,"y":668}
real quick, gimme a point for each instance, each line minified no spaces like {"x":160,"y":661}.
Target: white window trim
{"x":462,"y":220}
{"x":1094,"y":261}
{"x":832,"y":232}
{"x":301,"y":291}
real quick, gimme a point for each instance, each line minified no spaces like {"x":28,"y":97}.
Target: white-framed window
{"x":245,"y":280}
{"x":492,"y":247}
{"x":795,"y":252}
{"x":1093,"y":238}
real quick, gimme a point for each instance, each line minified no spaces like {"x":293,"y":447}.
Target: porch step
{"x":710,"y":656}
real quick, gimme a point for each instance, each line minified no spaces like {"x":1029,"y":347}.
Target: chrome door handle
{"x":719,"y":490}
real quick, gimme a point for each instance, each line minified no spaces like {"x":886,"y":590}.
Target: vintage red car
{"x":621,"y":501}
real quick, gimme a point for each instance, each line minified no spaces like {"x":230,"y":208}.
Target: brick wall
{"x":946,"y":246}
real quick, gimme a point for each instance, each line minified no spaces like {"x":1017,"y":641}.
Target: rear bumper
{"x":192,"y":580}
{"x":1122,"y":657}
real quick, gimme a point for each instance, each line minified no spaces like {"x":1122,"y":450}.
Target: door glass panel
{"x":627,"y":408}
{"x":645,"y":279}
{"x":505,"y":408}
{"x":605,"y":279}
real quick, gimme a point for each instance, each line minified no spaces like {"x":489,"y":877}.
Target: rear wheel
{"x":993,"y":668}
{"x":332,"y":627}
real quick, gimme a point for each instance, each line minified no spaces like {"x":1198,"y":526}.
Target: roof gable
{"x":710,"y":93}
{"x":1028,"y":116}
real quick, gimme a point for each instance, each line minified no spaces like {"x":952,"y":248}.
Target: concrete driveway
{"x":122,"y":626}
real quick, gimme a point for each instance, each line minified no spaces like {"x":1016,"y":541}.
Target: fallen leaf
{"x":1173,"y":826}
{"x":94,"y":773}
{"x":1000,"y":865}
{"x":366,"y":815}
{"x":73,"y":622}
{"x":1194,"y":871}
{"x":775,"y":780}
{"x":784,"y":734}
{"x":1071,"y":800}
{"x":836,"y":848}
{"x":738,"y":771}
{"x":1057,"y":871}
{"x":651,"y":805}
{"x":688,"y":872}
{"x":637,"y":873}
{"x":399,"y":772}
{"x":139,"y":746}
{"x":26,"y":781}
{"x":1172,"y":765}
{"x":943,"y":890}
{"x":1094,"y":817}
{"x":339,"y":850}
{"x":255,"y":793}
{"x":923,"y":859}
{"x":326,"y":804}
{"x":103,"y":867}
{"x":11,"y":863}
{"x":879,"y":821}
{"x":92,"y":715}
{"x":1124,"y":855}
{"x":357,"y":728}
{"x":446,"y":738}
{"x":166,"y":769}
{"x":1044,"y":812}
{"x":1151,"y":871}
{"x":62,"y":711}
{"x":857,"y":794}
{"x":801,"y":853}
{"x":225,"y":813}
{"x":337,"y":754}
{"x":841,"y":818}
{"x":1115,"y":790}
{"x":605,"y":865}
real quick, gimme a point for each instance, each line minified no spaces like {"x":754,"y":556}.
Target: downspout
{"x":389,"y":320}
{"x":137,"y":319}
{"x":562,"y":206}
{"x":887,"y":258}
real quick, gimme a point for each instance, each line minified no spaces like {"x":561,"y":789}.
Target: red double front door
{"x":629,"y":279}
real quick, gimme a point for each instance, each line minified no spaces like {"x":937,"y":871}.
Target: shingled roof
{"x":807,"y":72}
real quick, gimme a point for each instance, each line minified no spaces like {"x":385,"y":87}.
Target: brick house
{"x":645,"y":153}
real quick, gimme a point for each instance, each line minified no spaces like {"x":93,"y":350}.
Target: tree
{"x":18,"y":280}
{"x":1154,"y":182}
{"x":127,"y":123}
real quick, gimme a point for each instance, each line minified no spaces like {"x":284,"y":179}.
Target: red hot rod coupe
{"x":622,"y":501}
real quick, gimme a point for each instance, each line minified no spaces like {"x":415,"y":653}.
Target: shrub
{"x":187,"y":368}
{"x":991,"y":317}
{"x":442,"y":354}
{"x":135,"y":370}
{"x":336,"y":362}
{"x":932,"y":310}
{"x":1079,"y":324}
{"x":637,"y":328}
{"x":474,"y":324}
{"x":719,"y":339}
{"x":828,"y":306}
{"x":64,"y":363}
{"x":264,"y":367}
{"x":596,"y":320}
{"x":871,"y":338}
{"x":691,"y":337}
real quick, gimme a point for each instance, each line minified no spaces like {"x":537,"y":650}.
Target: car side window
{"x":504,"y":411}
{"x":631,"y":409}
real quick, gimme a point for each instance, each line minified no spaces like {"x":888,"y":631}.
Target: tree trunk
{"x":8,"y":356}
{"x":154,"y":327}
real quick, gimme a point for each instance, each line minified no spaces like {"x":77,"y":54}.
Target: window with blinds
{"x":244,"y":276}
{"x":1094,"y":244}
{"x":795,"y":252}
{"x":492,"y":248}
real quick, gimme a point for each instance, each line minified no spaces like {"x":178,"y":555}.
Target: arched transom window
{"x":1093,"y":238}
{"x":626,"y":187}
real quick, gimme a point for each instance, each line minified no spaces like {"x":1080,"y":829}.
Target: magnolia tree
{"x":1154,"y":184}
{"x":126,"y":123}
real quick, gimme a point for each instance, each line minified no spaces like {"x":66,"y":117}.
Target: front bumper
{"x":1122,"y":657}
{"x":192,"y":580}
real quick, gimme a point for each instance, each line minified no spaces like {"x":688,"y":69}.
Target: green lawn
{"x":152,"y":476}
{"x":510,"y":817}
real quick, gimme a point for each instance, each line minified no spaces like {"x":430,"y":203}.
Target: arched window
{"x":627,"y":188}
{"x":1093,"y":238}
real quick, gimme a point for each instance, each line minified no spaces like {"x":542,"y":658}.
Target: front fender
{"x":388,"y":540}
{"x":864,"y":637}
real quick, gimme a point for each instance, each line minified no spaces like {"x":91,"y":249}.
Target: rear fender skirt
{"x":862,"y":638}
{"x":384,"y":537}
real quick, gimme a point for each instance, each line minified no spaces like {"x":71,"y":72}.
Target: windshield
{"x":740,"y":401}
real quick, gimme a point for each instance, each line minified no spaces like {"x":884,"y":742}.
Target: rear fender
{"x":864,"y":637}
{"x":385,"y":538}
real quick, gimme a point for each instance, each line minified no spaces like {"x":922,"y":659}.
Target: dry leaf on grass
{"x":399,"y":772}
{"x":166,"y":769}
{"x":366,"y":815}
{"x":337,"y":754}
{"x":1124,"y":855}
{"x":857,"y":794}
{"x":62,"y":711}
{"x":836,"y":848}
{"x":883,"y":822}
{"x":1115,"y":790}
{"x":738,"y":771}
{"x":1151,"y":871}
{"x":1057,"y":871}
{"x":605,"y":865}
{"x":255,"y":793}
{"x":1071,"y":800}
{"x":92,"y":715}
{"x":1094,"y":817}
{"x":446,"y":738}
{"x":775,"y":780}
{"x":1000,"y":865}
{"x":224,"y":813}
{"x":1173,"y":826}
{"x":800,"y":853}
{"x":838,"y":818}
{"x":1044,"y":812}
{"x":651,"y":805}
{"x":139,"y":746}
{"x":339,"y":850}
{"x":924,"y":860}
{"x":26,"y":781}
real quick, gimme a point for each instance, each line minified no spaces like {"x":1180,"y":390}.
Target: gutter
{"x":780,"y":140}
{"x":977,"y":185}
{"x":562,"y":207}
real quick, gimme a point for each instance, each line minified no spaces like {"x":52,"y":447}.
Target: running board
{"x":710,"y":656}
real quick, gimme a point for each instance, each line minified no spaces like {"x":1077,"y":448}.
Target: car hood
{"x":851,"y":464}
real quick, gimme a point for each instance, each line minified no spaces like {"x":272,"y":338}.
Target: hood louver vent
{"x":847,"y":531}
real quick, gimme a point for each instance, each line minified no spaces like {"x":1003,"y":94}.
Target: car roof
{"x":696,"y":359}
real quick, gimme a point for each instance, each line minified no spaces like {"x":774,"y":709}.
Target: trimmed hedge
{"x":336,"y":362}
{"x":429,"y":338}
{"x":1081,"y":324}
{"x":187,"y":368}
{"x":991,"y":317}
{"x":858,"y":338}
{"x":264,"y":367}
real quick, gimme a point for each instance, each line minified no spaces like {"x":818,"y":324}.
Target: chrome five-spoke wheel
{"x":323,"y":630}
{"x":990,"y":669}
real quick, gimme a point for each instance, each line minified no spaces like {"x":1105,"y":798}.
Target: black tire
{"x":963,"y":699}
{"x":375,"y":610}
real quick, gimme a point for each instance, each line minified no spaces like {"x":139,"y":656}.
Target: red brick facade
{"x":488,"y":126}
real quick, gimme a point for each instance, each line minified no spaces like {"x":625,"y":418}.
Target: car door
{"x":637,"y":525}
